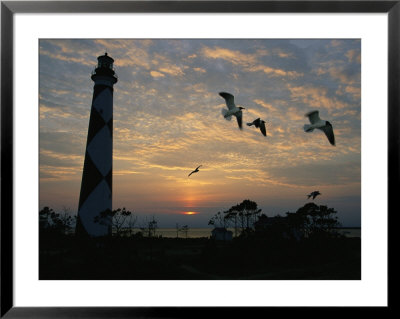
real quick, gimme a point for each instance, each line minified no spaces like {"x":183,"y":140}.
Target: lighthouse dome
{"x":104,"y":71}
{"x":105,"y":61}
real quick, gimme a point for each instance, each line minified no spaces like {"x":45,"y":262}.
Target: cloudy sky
{"x":167,"y":121}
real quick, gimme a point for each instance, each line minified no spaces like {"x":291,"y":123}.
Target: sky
{"x":168,"y":121}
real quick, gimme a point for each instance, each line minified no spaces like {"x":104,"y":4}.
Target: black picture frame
{"x":9,"y":8}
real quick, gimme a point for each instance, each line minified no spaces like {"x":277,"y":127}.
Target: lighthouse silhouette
{"x":95,"y":200}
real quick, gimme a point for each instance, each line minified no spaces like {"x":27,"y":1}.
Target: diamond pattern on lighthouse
{"x":96,"y":188}
{"x":91,"y":177}
{"x":95,"y":125}
{"x":102,"y":101}
{"x":100,"y":150}
{"x":98,"y":201}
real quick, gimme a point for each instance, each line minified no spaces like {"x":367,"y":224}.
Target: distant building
{"x":220,"y":233}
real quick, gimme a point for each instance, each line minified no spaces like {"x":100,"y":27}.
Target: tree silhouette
{"x":185,"y":230}
{"x":50,"y":221}
{"x":131,"y":222}
{"x":246,"y":213}
{"x":218,"y":220}
{"x":118,"y":219}
{"x":315,"y":221}
{"x":250,"y":211}
{"x":67,"y":219}
{"x":151,"y":227}
{"x":45,"y":217}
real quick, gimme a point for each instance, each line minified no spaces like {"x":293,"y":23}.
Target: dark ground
{"x":64,"y":257}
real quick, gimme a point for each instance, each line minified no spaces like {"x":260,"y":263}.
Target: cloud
{"x":353,"y":55}
{"x":316,"y":97}
{"x":63,"y":143}
{"x":282,"y":53}
{"x":156,"y":74}
{"x":336,"y":43}
{"x":167,"y":118}
{"x":58,"y":166}
{"x":54,"y":159}
{"x":319,"y":174}
{"x":345,"y":75}
{"x":269,"y":107}
{"x":172,"y":70}
{"x":354,"y":91}
{"x":134,"y":53}
{"x":232,"y":56}
{"x":66,"y":58}
{"x":200,"y":70}
{"x":250,"y":62}
{"x":275,"y":72}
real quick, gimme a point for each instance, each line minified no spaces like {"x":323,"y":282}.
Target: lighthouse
{"x":95,"y":199}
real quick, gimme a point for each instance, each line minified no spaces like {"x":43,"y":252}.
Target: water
{"x":206,"y":232}
{"x":192,"y":232}
{"x":350,"y":232}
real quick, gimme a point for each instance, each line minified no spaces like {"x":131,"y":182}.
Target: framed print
{"x":161,"y":158}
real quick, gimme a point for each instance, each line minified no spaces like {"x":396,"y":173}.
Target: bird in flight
{"x":314,"y":194}
{"x":322,"y":125}
{"x":259,"y":124}
{"x":195,"y":171}
{"x":232,"y":108}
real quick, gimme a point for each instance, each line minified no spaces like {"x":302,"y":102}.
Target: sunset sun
{"x":190,"y":213}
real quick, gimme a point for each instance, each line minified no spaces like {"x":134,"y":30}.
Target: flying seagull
{"x":233,"y":109}
{"x":324,"y":126}
{"x":195,"y":171}
{"x":314,"y":194}
{"x":259,"y":124}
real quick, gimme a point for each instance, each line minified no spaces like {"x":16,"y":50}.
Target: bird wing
{"x":239,"y":118}
{"x":262,"y":128}
{"x":313,"y":116}
{"x":255,"y":122}
{"x":229,"y":99}
{"x":196,"y":170}
{"x":328,"y":130}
